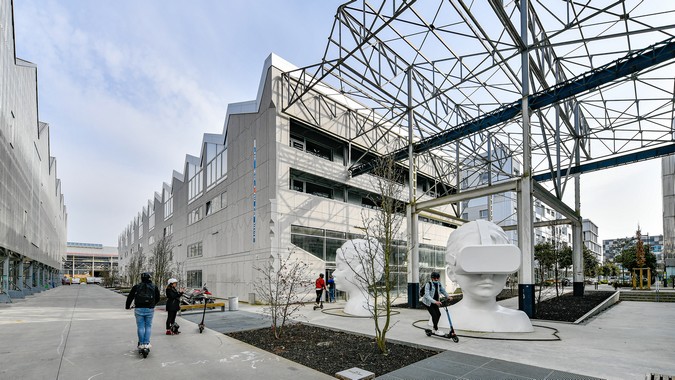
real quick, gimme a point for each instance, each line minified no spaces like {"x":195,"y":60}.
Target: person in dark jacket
{"x":145,"y":296}
{"x":172,"y":306}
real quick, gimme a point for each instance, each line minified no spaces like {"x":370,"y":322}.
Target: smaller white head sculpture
{"x":358,"y":263}
{"x":480,"y":258}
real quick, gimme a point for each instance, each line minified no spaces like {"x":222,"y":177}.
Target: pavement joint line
{"x":70,"y":324}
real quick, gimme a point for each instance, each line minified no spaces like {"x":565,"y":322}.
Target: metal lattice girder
{"x":632,"y":64}
{"x":463,"y":59}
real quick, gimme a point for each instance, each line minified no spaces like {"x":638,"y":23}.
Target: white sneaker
{"x":148,"y":346}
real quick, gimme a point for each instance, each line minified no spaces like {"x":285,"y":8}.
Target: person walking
{"x":320,"y":287}
{"x":331,"y":288}
{"x":173,"y":296}
{"x":431,"y":299}
{"x":144,"y":295}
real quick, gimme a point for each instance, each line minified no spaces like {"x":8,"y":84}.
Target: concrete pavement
{"x":83,"y":332}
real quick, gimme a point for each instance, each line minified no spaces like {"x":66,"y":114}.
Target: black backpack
{"x":145,"y":295}
{"x":422,"y":289}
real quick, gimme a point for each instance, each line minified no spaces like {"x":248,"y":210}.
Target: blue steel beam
{"x":611,"y":162}
{"x":630,"y":64}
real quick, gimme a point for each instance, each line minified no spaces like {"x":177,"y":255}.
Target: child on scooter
{"x":431,"y":299}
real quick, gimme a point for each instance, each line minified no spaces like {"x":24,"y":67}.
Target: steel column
{"x":413,"y":238}
{"x":525,"y":228}
{"x":577,"y":240}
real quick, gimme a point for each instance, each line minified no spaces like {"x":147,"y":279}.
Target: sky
{"x":129,"y":88}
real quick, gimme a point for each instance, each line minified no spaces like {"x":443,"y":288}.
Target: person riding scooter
{"x":431,"y":299}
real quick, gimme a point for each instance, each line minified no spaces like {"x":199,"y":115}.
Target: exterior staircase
{"x":647,"y":295}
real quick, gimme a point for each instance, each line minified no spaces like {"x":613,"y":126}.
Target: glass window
{"x":331,"y":248}
{"x":216,"y":168}
{"x":194,"y":279}
{"x":195,"y":185}
{"x":483,"y":214}
{"x":195,"y":215}
{"x":307,"y":230}
{"x":168,"y":208}
{"x":194,"y":250}
{"x":298,"y":185}
{"x":151,"y":221}
{"x":311,"y":147}
{"x":223,"y":199}
{"x":311,"y":244}
{"x":318,"y":190}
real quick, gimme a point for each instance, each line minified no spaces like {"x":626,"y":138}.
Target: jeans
{"x":144,"y":323}
{"x":331,"y":292}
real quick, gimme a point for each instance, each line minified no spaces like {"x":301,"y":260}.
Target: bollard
{"x":233,"y":303}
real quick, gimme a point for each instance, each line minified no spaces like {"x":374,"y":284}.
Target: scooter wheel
{"x":321,"y":307}
{"x":201,"y":328}
{"x":455,"y":338}
{"x":145,"y":353}
{"x":428,"y":332}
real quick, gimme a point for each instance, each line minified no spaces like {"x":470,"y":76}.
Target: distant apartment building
{"x":590,"y":238}
{"x":33,"y":218}
{"x":613,"y":247}
{"x":502,"y":208}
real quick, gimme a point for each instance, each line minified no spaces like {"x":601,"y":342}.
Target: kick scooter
{"x":320,"y":305}
{"x":452,"y":335}
{"x":206,"y":300}
{"x":143,"y":352}
{"x":201,"y":324}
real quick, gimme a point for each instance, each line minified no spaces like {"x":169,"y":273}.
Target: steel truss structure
{"x":456,"y":62}
{"x":447,"y":77}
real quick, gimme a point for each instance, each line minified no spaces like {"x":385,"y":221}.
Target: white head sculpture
{"x":358,"y":262}
{"x":479,"y":258}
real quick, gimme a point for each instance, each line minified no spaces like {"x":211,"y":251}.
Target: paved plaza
{"x":83,"y":332}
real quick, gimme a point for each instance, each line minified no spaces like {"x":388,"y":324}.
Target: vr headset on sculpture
{"x":487,"y":257}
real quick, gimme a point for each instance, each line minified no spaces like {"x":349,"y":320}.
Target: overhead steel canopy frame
{"x":600,"y":84}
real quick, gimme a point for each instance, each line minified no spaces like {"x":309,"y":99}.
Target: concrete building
{"x":502,"y":208}
{"x":613,"y":247}
{"x":84,"y":260}
{"x":33,"y":215}
{"x":590,"y":238}
{"x":276,"y":182}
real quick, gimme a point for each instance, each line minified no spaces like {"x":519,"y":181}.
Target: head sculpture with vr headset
{"x":480,"y":259}
{"x":358,"y":263}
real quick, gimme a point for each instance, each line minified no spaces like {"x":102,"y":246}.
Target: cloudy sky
{"x":129,"y":87}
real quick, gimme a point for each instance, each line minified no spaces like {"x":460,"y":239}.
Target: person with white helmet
{"x":172,"y":306}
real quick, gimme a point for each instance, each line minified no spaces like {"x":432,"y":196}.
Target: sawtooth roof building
{"x":275,"y":182}
{"x":33,"y":215}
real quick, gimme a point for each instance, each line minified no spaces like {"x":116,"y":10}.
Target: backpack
{"x":422,"y":289}
{"x":145,"y":295}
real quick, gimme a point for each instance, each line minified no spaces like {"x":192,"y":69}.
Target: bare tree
{"x":282,"y":286}
{"x":136,"y":266}
{"x":382,"y":225}
{"x":161,"y":261}
{"x":178,"y":272}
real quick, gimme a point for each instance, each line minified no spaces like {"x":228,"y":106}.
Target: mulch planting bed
{"x":331,"y":351}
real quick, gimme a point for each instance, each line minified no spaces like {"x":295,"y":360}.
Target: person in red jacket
{"x":320,"y":287}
